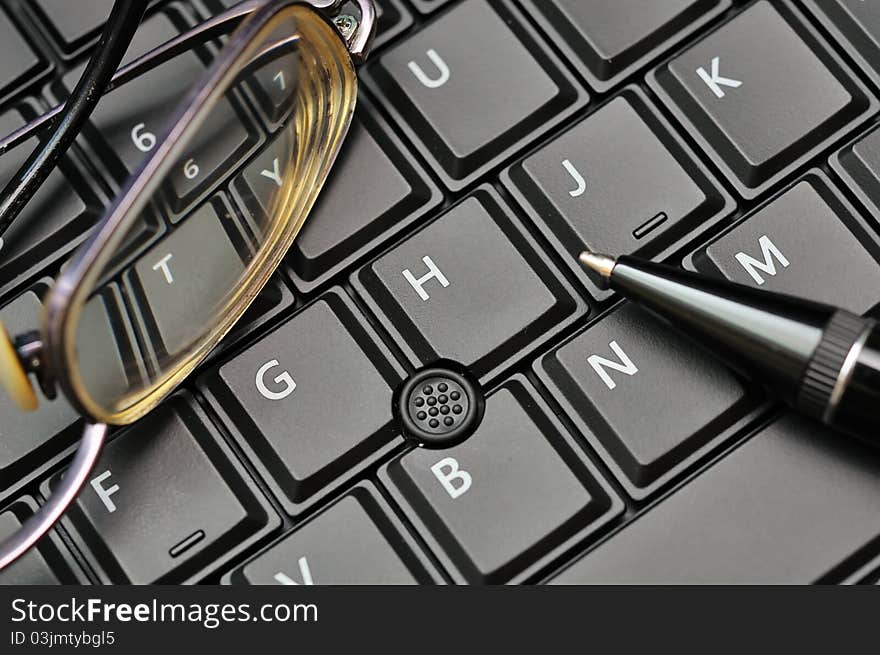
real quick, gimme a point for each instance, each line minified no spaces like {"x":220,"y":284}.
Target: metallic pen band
{"x":846,"y":371}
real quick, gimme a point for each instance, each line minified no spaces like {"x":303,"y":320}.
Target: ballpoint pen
{"x":820,"y":360}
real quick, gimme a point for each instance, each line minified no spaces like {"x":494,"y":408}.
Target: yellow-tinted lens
{"x":238,"y":186}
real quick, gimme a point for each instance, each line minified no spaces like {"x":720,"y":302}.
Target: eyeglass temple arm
{"x":121,"y":26}
{"x":61,"y":498}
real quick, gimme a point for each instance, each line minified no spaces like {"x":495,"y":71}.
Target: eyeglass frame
{"x":46,"y":355}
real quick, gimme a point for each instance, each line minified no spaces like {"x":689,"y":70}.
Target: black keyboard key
{"x":427,"y":6}
{"x":181,"y":281}
{"x":470,"y":85}
{"x":857,"y":22}
{"x":73,"y":28}
{"x":220,"y":142}
{"x":29,"y":439}
{"x":53,"y":221}
{"x":17,"y":58}
{"x":132,"y":118}
{"x":354,"y":542}
{"x":648,"y":400}
{"x":763,"y":93}
{"x":859,"y":166}
{"x":166,"y":499}
{"x":612,"y":38}
{"x":469,"y":287}
{"x":518,"y":490}
{"x":374,"y":190}
{"x":806,"y":242}
{"x":788,"y":506}
{"x":311,"y":402}
{"x":48,"y":563}
{"x":107,"y":358}
{"x":617,"y":182}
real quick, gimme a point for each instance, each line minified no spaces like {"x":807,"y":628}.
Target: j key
{"x":27,"y":439}
{"x":858,"y":22}
{"x":786,"y":507}
{"x":504,"y":497}
{"x":806,"y":242}
{"x":859,"y":165}
{"x":312,"y":400}
{"x":17,"y":58}
{"x":52,"y":219}
{"x":628,"y":360}
{"x":183,"y":279}
{"x":762,"y":93}
{"x":43,"y":565}
{"x":351,"y":543}
{"x":610,"y":184}
{"x":611,"y":37}
{"x":468,"y":287}
{"x":164,"y":499}
{"x":470,"y":87}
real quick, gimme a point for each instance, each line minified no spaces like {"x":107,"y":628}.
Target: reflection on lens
{"x":235,"y":194}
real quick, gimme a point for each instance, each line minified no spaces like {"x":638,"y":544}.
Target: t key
{"x":763,"y":93}
{"x":183,"y":279}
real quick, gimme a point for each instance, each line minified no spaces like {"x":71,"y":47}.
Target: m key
{"x":806,"y":242}
{"x":763,"y":93}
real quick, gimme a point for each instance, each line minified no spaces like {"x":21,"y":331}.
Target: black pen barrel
{"x":767,"y":337}
{"x":823,"y":361}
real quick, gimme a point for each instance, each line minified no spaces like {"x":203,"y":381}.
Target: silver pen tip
{"x":602,"y":265}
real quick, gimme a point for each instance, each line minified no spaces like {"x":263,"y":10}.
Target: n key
{"x":763,"y":93}
{"x":806,"y":242}
{"x":644,"y":397}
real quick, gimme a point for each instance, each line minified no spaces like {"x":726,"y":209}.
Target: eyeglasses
{"x":301,"y":55}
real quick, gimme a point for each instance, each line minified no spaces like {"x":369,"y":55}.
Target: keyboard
{"x":435,"y":291}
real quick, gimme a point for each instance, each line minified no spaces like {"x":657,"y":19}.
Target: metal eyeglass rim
{"x":94,"y":434}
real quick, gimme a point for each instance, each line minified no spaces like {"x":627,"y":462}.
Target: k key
{"x":762,"y":93}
